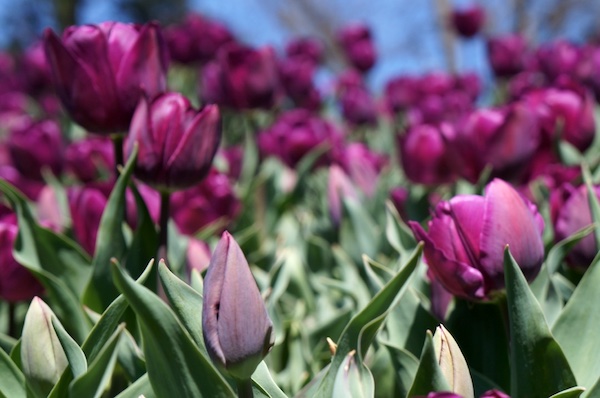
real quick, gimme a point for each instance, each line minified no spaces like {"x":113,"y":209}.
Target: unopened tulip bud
{"x":238,"y":332}
{"x":452,"y":363}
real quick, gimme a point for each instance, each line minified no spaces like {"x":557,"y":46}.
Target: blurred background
{"x":411,"y":37}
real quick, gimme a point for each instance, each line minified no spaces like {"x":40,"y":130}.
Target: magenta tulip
{"x":358,"y":46}
{"x":508,"y":55}
{"x":464,"y":246}
{"x":468,"y":21}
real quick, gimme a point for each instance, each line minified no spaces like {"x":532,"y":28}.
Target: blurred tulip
{"x":469,"y":83}
{"x":427,"y":154}
{"x":400,"y":93}
{"x":90,"y":158}
{"x":358,"y":46}
{"x":468,"y":21}
{"x":558,"y":58}
{"x":35,"y":146}
{"x":241,"y":78}
{"x":494,"y":394}
{"x":305,"y":48}
{"x":508,"y":55}
{"x":339,"y":187}
{"x":86,"y":205}
{"x":464,"y":246}
{"x":101,"y":71}
{"x":196,"y":39}
{"x":30,"y":188}
{"x":16,"y":282}
{"x":238,"y":332}
{"x":296,"y":76}
{"x":362,"y":165}
{"x":212,"y":202}
{"x":177,"y":143}
{"x":358,"y":107}
{"x":34,"y":69}
{"x":452,"y":363}
{"x":197,"y":256}
{"x":297,"y":132}
{"x":570,"y":212}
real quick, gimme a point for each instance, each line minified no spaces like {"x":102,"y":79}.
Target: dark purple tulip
{"x":213,"y":202}
{"x":16,"y":282}
{"x":238,"y":332}
{"x":90,"y":158}
{"x":101,"y":71}
{"x":296,"y":75}
{"x":35,"y":146}
{"x":242,"y":78}
{"x":587,"y":68}
{"x":177,"y":143}
{"x":30,"y":188}
{"x":358,"y":107}
{"x":570,"y":212}
{"x":34,"y":69}
{"x":494,"y":394}
{"x":86,"y":205}
{"x":469,"y":21}
{"x":469,"y":83}
{"x":436,"y":84}
{"x":558,"y":58}
{"x":297,"y":132}
{"x":305,"y":48}
{"x":427,"y":154}
{"x":464,"y":246}
{"x":400,"y":93}
{"x":196,"y":39}
{"x":362,"y":165}
{"x":358,"y":46}
{"x":234,"y":157}
{"x":508,"y":55}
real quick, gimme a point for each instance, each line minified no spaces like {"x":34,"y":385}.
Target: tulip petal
{"x":148,"y":161}
{"x":508,"y":220}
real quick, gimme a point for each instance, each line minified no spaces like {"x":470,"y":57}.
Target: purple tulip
{"x":469,"y":83}
{"x":296,"y":75}
{"x":86,"y":206}
{"x":305,"y":48}
{"x":508,"y":55}
{"x":464,"y":246}
{"x":358,"y":107}
{"x":177,"y":143}
{"x":339,"y":186}
{"x":238,"y":332}
{"x":297,"y":132}
{"x":558,"y":58}
{"x":30,"y":188}
{"x":362,"y":165}
{"x":400,"y":93}
{"x":90,"y":158}
{"x":196,"y":39}
{"x":242,"y":78}
{"x":34,"y":69}
{"x":16,"y":282}
{"x":35,"y":146}
{"x":212,"y":202}
{"x":101,"y":71}
{"x":494,"y":394}
{"x":468,"y":21}
{"x":358,"y":46}
{"x":570,"y":212}
{"x":427,"y":154}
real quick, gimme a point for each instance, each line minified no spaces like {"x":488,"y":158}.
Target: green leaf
{"x":361,"y":330}
{"x":576,"y":329}
{"x":353,"y":379}
{"x":93,"y":382}
{"x":141,"y":387}
{"x":110,"y":243}
{"x":13,"y":380}
{"x":573,"y":392}
{"x":532,"y":343}
{"x":593,"y":200}
{"x":396,"y":231}
{"x":429,"y":376}
{"x":7,"y":343}
{"x":75,"y":357}
{"x":262,"y":378}
{"x":358,"y":233}
{"x":405,"y":364}
{"x":178,"y":368}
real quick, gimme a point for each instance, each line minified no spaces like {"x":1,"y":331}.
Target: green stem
{"x":163,"y":235}
{"x":244,"y":388}
{"x":12,"y":322}
{"x":117,"y":140}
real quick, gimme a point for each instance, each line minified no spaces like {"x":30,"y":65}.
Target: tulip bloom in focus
{"x":100,"y":71}
{"x":238,"y":332}
{"x":464,"y":246}
{"x":177,"y":143}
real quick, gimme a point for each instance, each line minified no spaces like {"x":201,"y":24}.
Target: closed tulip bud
{"x":508,"y":55}
{"x":452,"y":363}
{"x":238,"y":332}
{"x":464,"y":246}
{"x":358,"y":46}
{"x":177,"y":143}
{"x":305,"y":48}
{"x":358,"y":107}
{"x":101,"y":71}
{"x":468,"y":21}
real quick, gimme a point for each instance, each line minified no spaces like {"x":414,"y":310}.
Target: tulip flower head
{"x":177,"y":143}
{"x":464,"y":246}
{"x":238,"y":332}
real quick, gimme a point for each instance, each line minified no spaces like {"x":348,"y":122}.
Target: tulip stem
{"x":117,"y":140}
{"x":12,"y":324}
{"x":244,"y":388}
{"x":163,"y":235}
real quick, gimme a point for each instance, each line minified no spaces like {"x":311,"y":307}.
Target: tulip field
{"x":185,"y":215}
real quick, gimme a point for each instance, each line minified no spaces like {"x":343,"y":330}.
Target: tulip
{"x":508,"y":55}
{"x":494,"y":394}
{"x":241,"y":78}
{"x":362,"y":166}
{"x":467,"y":235}
{"x":570,"y":212}
{"x":339,"y":187}
{"x":558,"y":58}
{"x":468,"y":21}
{"x":305,"y":48}
{"x":90,"y":158}
{"x":296,"y":75}
{"x":237,"y":330}
{"x":86,"y":206}
{"x":177,"y":143}
{"x":358,"y":46}
{"x":358,"y":107}
{"x":400,"y":93}
{"x":452,"y":362}
{"x":16,"y":282}
{"x":101,"y":71}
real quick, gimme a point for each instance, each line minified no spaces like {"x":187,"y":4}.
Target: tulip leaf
{"x":93,"y":382}
{"x":362,"y":328}
{"x":593,"y":201}
{"x":7,"y":343}
{"x":358,"y":233}
{"x":576,"y":329}
{"x":353,"y":379}
{"x":75,"y":357}
{"x":573,"y":392}
{"x":405,"y":365}
{"x":13,"y":380}
{"x":130,"y":357}
{"x":532,"y":343}
{"x":263,"y":379}
{"x":429,"y":376}
{"x":396,"y":231}
{"x":185,"y":302}
{"x":178,"y":368}
{"x":594,"y":392}
{"x":110,"y":243}
{"x":559,"y":251}
{"x":141,"y":387}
